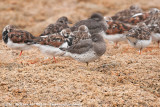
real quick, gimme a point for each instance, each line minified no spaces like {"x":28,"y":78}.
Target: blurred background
{"x":35,"y":15}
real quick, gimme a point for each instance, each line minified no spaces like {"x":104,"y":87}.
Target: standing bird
{"x":154,"y":24}
{"x":60,"y":24}
{"x":156,"y":33}
{"x":50,"y":44}
{"x":87,"y":50}
{"x":139,"y":36}
{"x":15,"y":38}
{"x":95,"y":24}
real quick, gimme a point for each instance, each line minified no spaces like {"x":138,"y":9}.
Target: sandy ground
{"x":120,"y":77}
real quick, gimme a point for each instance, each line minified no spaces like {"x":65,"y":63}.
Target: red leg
{"x":54,"y":59}
{"x":116,"y":44}
{"x":20,"y":53}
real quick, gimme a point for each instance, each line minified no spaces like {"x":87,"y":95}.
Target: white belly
{"x":156,"y":36}
{"x":114,"y":37}
{"x":140,"y":44}
{"x":85,"y":57}
{"x":49,"y":50}
{"x":18,"y":46}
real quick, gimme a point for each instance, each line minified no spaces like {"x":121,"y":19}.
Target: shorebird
{"x":139,"y":36}
{"x":146,"y":17}
{"x":96,"y":24}
{"x":116,"y":31}
{"x":50,"y":44}
{"x":87,"y":50}
{"x":15,"y":38}
{"x":125,"y":15}
{"x":60,"y":24}
{"x":154,"y":24}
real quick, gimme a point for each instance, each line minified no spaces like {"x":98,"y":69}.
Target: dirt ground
{"x":120,"y":77}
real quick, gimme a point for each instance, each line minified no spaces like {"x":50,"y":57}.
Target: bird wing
{"x":48,"y":30}
{"x":92,"y":25}
{"x":80,"y":36}
{"x":20,"y":36}
{"x":51,"y":40}
{"x":81,"y":47}
{"x":54,"y":28}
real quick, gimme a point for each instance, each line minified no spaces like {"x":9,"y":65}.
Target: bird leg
{"x":87,"y":63}
{"x":20,"y":53}
{"x":54,"y":59}
{"x":116,"y":45}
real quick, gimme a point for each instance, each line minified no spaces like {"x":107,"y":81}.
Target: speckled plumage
{"x":15,"y":38}
{"x":52,"y":40}
{"x":140,"y":32}
{"x":137,"y":18}
{"x":81,"y":34}
{"x":66,"y":32}
{"x":50,"y":44}
{"x":139,"y":36}
{"x":115,"y":31}
{"x":60,"y":24}
{"x":154,"y":24}
{"x":115,"y":27}
{"x":124,"y":15}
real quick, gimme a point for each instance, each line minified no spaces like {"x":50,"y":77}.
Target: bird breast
{"x":100,"y":48}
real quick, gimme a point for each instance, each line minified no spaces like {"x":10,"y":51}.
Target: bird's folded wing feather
{"x":81,"y":47}
{"x":20,"y":36}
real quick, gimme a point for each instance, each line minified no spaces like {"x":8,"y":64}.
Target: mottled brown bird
{"x":50,"y":44}
{"x":81,"y":34}
{"x":60,"y":24}
{"x":116,"y":31}
{"x":125,"y":15}
{"x":139,"y":36}
{"x":15,"y":38}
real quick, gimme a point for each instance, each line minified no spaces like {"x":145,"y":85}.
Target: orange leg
{"x":54,"y":59}
{"x":20,"y":53}
{"x":116,"y":44}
